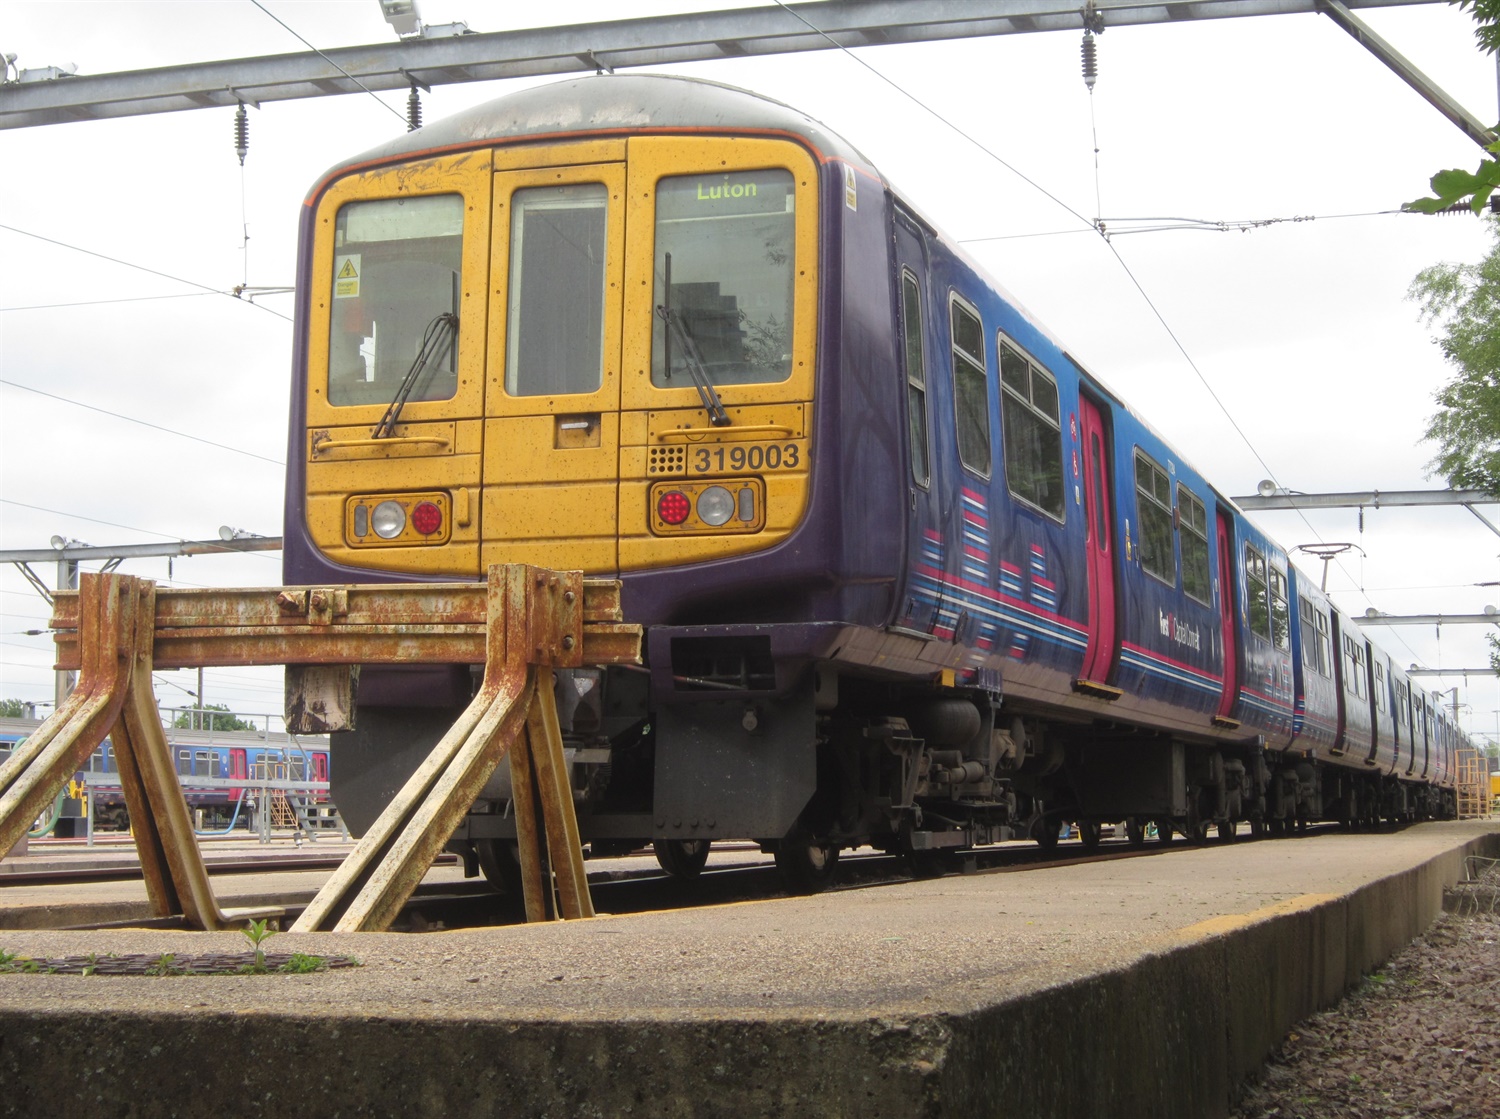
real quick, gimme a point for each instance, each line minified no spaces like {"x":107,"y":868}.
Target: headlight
{"x":715,"y":506}
{"x":388,"y":520}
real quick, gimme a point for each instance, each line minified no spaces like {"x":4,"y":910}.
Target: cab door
{"x":550,"y":489}
{"x":395,"y":366}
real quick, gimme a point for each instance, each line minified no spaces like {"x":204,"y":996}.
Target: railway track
{"x":738,"y":873}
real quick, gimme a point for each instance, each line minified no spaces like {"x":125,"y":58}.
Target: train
{"x":911,"y":576}
{"x":206,"y":761}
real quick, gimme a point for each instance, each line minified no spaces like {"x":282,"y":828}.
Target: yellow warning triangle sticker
{"x":347,"y":272}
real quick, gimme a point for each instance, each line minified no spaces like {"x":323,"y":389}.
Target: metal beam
{"x":1341,"y":15}
{"x":615,"y":44}
{"x":1428,"y":620}
{"x":1365,"y":499}
{"x":79,"y":552}
{"x":1486,"y":671}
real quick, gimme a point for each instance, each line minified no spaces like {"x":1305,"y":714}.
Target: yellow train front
{"x":579,"y":327}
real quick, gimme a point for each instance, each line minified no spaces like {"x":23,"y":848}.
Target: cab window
{"x":725,"y":266}
{"x":555,"y":321}
{"x":396,"y":266}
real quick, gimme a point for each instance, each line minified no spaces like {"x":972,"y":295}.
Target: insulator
{"x":241,"y":133}
{"x":1090,"y":60}
{"x":413,"y":109}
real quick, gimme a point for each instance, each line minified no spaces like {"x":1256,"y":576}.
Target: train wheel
{"x":500,"y":864}
{"x":1164,"y":831}
{"x":1045,"y":832}
{"x":1197,"y":832}
{"x":1228,"y":831}
{"x":1257,"y":829}
{"x":925,"y":864}
{"x":681,"y":858}
{"x":806,"y":864}
{"x":1090,"y":833}
{"x":1135,"y":831}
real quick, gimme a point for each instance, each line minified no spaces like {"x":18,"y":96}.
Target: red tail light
{"x":673,"y":507}
{"x":426,"y":518}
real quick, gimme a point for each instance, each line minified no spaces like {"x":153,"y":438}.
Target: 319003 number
{"x":746,"y":456}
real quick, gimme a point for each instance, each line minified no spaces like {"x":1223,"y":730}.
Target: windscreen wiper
{"x":436,"y":343}
{"x":696,"y":369}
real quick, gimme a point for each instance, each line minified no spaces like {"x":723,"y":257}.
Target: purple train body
{"x":1003,"y":603}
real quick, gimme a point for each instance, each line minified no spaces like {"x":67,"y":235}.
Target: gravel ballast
{"x":1420,"y":1037}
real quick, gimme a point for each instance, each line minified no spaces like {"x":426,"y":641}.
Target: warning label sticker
{"x":346,"y":276}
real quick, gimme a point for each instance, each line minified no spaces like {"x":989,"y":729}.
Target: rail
{"x":520,"y":624}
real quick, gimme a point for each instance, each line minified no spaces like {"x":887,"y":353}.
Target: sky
{"x":1300,"y":329}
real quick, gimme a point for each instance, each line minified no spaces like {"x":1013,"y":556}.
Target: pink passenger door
{"x":1226,"y":619}
{"x":1100,"y":653}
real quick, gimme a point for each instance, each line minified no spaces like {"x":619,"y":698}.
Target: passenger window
{"x":1258,"y":600}
{"x":554,"y":336}
{"x":1032,"y":432}
{"x":1354,"y":667}
{"x":1153,"y":500}
{"x":1379,"y":687}
{"x":1281,"y":630}
{"x":396,"y":265}
{"x":971,"y":393}
{"x":916,"y":379}
{"x":1197,"y":577}
{"x":1314,"y":637}
{"x":725,"y":265}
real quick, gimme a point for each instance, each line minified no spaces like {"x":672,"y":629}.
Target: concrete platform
{"x":1135,"y":987}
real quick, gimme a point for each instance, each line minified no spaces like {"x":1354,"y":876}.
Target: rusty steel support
{"x":535,"y":620}
{"x":115,"y":629}
{"x":115,"y":698}
{"x":60,"y":747}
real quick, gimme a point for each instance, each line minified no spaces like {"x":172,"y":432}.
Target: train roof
{"x":632,"y":103}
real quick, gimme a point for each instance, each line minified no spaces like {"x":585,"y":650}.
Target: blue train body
{"x":218,"y":757}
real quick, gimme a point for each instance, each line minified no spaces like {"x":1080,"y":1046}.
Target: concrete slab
{"x":1121,"y":988}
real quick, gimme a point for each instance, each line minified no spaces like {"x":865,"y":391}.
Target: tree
{"x":1455,"y":185}
{"x":213,"y":716}
{"x":1462,"y":301}
{"x":12,"y":708}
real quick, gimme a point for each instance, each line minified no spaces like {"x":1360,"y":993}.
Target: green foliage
{"x":1454,"y":186}
{"x":10,"y":962}
{"x":302,"y":964}
{"x":257,"y":933}
{"x":1486,"y":13}
{"x":164,"y":965}
{"x":213,"y":716}
{"x":1494,"y":652}
{"x":1462,"y":301}
{"x":12,"y":708}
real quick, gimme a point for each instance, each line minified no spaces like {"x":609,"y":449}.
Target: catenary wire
{"x":142,"y":268}
{"x":332,"y":63}
{"x":143,"y":423}
{"x":105,"y":302}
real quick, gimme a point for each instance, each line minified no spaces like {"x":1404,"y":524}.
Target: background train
{"x":912,"y":576}
{"x":208,"y":762}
